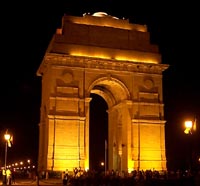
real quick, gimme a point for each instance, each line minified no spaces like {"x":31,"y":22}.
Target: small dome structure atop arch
{"x":102,"y":14}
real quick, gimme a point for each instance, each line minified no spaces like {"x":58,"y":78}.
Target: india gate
{"x":113,"y":58}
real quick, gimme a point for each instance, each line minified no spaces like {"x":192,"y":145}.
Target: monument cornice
{"x":96,"y":63}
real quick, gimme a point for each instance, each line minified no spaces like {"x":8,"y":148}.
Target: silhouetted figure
{"x":65,"y":179}
{"x":4,"y":177}
{"x":13,"y":176}
{"x":9,"y":176}
{"x":75,"y":172}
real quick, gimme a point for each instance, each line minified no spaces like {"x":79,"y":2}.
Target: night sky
{"x":26,"y":30}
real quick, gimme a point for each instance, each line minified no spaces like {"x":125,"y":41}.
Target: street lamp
{"x":8,"y":138}
{"x":190,"y":127}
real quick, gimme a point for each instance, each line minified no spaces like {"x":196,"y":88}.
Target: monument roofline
{"x":104,"y":20}
{"x":104,"y":36}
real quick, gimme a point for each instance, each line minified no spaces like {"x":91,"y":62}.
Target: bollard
{"x":47,"y":175}
{"x":37,"y":180}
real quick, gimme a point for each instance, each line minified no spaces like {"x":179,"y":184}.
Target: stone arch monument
{"x":113,"y":58}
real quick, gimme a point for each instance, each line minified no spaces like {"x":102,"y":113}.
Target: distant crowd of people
{"x":112,"y":178}
{"x":117,"y":178}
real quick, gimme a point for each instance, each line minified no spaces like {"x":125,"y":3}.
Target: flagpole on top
{"x":106,"y":146}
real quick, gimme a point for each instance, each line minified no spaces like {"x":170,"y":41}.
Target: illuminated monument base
{"x":103,"y":55}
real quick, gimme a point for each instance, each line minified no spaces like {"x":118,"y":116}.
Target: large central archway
{"x":116,"y":95}
{"x":114,"y":59}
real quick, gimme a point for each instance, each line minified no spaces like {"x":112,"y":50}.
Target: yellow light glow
{"x":195,"y":125}
{"x":119,"y":58}
{"x":137,"y":59}
{"x":102,"y":56}
{"x":187,"y":131}
{"x":130,"y":165}
{"x":7,"y":137}
{"x":188,"y":124}
{"x":86,"y":164}
{"x":149,"y":159}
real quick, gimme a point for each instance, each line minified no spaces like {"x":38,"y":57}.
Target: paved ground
{"x":58,"y":182}
{"x":48,"y":182}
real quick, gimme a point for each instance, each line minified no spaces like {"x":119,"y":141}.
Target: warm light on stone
{"x":113,"y":58}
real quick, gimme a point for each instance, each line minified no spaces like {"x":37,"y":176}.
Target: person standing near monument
{"x":4,"y":176}
{"x":8,"y":176}
{"x":65,"y":179}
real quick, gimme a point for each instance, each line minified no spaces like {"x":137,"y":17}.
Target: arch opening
{"x":114,"y":94}
{"x":98,"y":132}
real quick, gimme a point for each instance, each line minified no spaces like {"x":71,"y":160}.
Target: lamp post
{"x":7,"y":139}
{"x":190,"y":127}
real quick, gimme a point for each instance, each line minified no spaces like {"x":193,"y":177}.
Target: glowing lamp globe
{"x":7,"y":137}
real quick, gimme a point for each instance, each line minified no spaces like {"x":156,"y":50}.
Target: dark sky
{"x":26,"y":30}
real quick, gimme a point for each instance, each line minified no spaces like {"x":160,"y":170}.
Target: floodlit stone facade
{"x":113,"y":58}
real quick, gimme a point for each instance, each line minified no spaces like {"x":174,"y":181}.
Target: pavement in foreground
{"x":46,"y":182}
